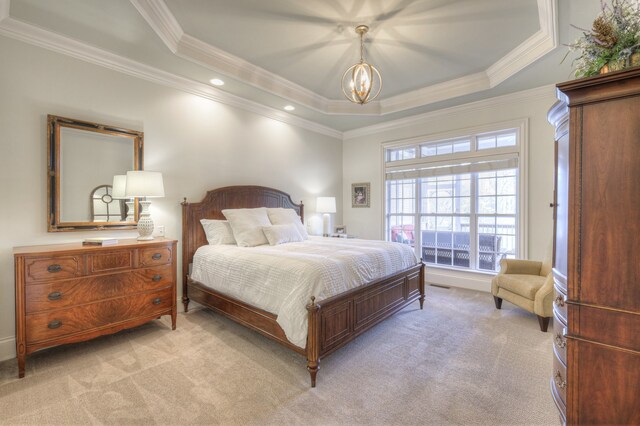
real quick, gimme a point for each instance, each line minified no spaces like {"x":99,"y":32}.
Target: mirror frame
{"x":54,"y":124}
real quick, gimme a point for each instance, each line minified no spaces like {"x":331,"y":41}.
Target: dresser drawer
{"x":559,"y":379}
{"x":560,"y":304}
{"x":52,"y":268}
{"x":109,"y":261}
{"x":59,"y":323}
{"x":66,"y":293}
{"x":155,"y":256}
{"x":560,"y":338}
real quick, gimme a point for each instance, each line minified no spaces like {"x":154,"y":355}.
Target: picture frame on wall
{"x":341,"y":230}
{"x":360,"y":194}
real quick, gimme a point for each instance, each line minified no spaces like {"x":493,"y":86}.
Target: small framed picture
{"x":360,"y":193}
{"x":341,"y":230}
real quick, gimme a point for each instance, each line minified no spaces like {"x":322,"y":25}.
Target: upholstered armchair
{"x":527,"y":284}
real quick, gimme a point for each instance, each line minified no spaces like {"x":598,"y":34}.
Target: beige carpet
{"x":459,"y":361}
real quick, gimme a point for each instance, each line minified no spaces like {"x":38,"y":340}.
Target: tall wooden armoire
{"x":596,"y":373}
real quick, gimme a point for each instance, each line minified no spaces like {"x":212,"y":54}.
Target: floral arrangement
{"x":614,"y":41}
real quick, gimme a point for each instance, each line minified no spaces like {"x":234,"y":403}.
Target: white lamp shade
{"x":118,"y":187}
{"x":142,"y":183}
{"x":326,"y":205}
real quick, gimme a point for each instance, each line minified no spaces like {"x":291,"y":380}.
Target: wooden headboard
{"x":230,"y":197}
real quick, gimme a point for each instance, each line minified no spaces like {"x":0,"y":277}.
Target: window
{"x":457,"y":203}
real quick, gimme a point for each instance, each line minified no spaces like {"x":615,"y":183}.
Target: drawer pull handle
{"x":559,"y":301}
{"x":559,"y":381}
{"x":156,"y":256}
{"x":156,"y":278}
{"x":56,"y":295}
{"x":560,"y":342}
{"x":55,"y":324}
{"x":54,"y":268}
{"x":157,"y":301}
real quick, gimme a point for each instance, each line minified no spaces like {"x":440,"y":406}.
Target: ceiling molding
{"x":165,"y":25}
{"x":531,"y":95}
{"x":31,"y":34}
{"x":159,"y":17}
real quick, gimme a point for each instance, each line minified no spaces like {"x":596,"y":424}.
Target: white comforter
{"x":281,"y":279}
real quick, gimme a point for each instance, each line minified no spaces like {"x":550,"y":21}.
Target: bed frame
{"x":333,"y":322}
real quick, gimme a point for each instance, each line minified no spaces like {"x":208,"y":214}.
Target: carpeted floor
{"x":460,"y":361}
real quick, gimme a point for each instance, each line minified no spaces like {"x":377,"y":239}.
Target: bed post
{"x":422,"y":296}
{"x":313,"y":340}
{"x":185,"y":254}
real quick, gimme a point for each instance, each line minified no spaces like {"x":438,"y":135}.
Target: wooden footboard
{"x":333,"y":322}
{"x":336,"y":321}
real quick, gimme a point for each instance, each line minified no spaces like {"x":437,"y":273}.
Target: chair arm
{"x":543,"y":302}
{"x":518,"y":266}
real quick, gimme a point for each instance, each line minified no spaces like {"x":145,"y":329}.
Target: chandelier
{"x":361,"y":83}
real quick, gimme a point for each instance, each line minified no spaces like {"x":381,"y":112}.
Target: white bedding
{"x":281,"y":279}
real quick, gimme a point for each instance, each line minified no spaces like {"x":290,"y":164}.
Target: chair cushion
{"x":522,"y":285}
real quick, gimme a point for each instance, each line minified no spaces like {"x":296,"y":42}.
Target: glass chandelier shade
{"x":361,"y":82}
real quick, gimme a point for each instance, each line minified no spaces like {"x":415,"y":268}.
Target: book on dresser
{"x":73,"y":292}
{"x":99,"y":242}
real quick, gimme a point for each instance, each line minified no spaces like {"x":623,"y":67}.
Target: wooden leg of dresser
{"x":174,"y":317}
{"x":21,"y":365}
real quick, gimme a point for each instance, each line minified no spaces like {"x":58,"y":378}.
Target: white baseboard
{"x":460,"y":279}
{"x":7,"y":348}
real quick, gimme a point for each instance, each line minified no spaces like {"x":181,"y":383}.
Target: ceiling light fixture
{"x":216,"y":82}
{"x":361,"y":79}
{"x":289,"y":107}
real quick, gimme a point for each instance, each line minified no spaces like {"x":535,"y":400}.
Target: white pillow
{"x":285,"y":217}
{"x":279,"y":234}
{"x":218,"y":231}
{"x":247,"y":225}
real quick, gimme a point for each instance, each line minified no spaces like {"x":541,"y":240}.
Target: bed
{"x":331,"y":322}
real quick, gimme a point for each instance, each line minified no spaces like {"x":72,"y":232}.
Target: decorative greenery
{"x":615,"y":36}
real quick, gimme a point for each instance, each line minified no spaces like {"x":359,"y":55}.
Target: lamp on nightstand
{"x":326,"y":205}
{"x":144,"y":184}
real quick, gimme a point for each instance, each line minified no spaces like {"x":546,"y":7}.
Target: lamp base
{"x":326,"y":224}
{"x":145,"y":223}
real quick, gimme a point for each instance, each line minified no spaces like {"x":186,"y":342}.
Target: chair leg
{"x":498,"y":302}
{"x":544,"y":323}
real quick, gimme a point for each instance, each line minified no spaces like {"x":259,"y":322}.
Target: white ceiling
{"x":431,"y":53}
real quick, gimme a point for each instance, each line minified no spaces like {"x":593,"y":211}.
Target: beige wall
{"x":196,"y":143}
{"x":362,"y":162}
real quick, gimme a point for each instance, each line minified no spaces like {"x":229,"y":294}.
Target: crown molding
{"x":159,"y":17}
{"x":165,"y":25}
{"x":31,"y":34}
{"x":436,"y":93}
{"x":530,"y":95}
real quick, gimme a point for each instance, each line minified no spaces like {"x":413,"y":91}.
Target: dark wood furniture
{"x":333,"y":322}
{"x":596,"y":373}
{"x":70,"y":293}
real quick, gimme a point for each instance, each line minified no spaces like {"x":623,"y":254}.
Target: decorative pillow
{"x":247,"y":225}
{"x":285,"y":217}
{"x":218,"y":231}
{"x":280,"y":234}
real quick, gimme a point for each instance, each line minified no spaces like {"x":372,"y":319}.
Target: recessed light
{"x":289,"y":108}
{"x":216,"y":82}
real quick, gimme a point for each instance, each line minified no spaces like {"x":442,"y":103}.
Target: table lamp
{"x":117,"y":193}
{"x":326,"y":205}
{"x":144,"y":184}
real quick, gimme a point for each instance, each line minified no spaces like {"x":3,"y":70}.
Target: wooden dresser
{"x":69,"y":292}
{"x":596,"y":373}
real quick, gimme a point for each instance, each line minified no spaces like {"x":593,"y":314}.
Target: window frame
{"x":520,"y":150}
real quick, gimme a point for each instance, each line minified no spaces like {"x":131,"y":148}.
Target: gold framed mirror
{"x":84,"y":160}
